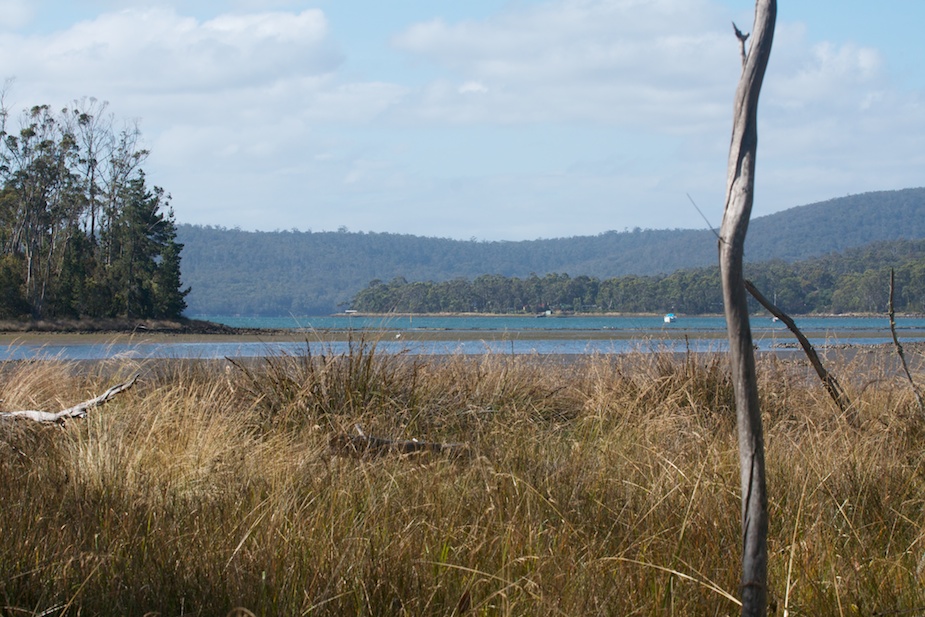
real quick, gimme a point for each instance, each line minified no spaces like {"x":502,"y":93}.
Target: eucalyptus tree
{"x":92,"y":128}
{"x":42,"y":198}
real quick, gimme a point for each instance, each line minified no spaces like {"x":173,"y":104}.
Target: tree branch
{"x":363,"y":444}
{"x":828,"y":380}
{"x":742,"y":38}
{"x":899,"y":348}
{"x":77,"y":411}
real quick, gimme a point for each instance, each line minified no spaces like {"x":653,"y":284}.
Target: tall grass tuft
{"x":601,"y":484}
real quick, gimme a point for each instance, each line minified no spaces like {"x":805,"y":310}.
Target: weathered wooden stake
{"x":740,"y":186}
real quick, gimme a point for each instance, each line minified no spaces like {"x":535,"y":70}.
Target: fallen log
{"x":362,"y":444}
{"x":77,"y":411}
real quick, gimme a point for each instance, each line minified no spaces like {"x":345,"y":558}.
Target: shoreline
{"x":105,"y":331}
{"x":568,"y":314}
{"x":37,"y":338}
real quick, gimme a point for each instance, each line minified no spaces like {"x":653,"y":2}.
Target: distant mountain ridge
{"x":291,"y":272}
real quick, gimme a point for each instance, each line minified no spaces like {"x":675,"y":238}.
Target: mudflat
{"x":103,"y":331}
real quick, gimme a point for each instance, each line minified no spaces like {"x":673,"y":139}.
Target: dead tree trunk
{"x":740,"y":186}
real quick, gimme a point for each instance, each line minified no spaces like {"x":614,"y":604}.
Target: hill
{"x":282,"y":272}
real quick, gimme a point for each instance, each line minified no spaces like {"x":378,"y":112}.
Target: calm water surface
{"x":644,"y":324}
{"x":630,"y":334}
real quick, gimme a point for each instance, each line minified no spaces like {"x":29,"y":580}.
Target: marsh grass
{"x":600,"y":485}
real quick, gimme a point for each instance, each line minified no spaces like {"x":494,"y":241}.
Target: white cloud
{"x":607,"y":110}
{"x":234,"y":92}
{"x":473,"y":87}
{"x":15,"y":14}
{"x":831,"y":121}
{"x":661,"y":63}
{"x":825,"y":73}
{"x":154,"y":51}
{"x":664,"y":65}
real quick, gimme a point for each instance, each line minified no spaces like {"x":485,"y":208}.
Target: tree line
{"x":318,"y":272}
{"x":854,"y":281}
{"x":81,"y":232}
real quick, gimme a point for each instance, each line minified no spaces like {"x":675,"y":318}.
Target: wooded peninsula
{"x":856,"y":281}
{"x":81,"y":232}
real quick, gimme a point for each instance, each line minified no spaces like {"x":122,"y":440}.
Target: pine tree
{"x":13,"y":304}
{"x":145,"y":269}
{"x":169,"y":295}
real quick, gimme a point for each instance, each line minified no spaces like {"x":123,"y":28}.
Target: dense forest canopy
{"x":855,"y":281}
{"x":81,"y":232}
{"x":304,"y":272}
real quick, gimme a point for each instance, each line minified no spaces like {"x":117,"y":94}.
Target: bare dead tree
{"x":740,"y":186}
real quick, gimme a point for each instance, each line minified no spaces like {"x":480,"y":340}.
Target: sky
{"x":480,"y":119}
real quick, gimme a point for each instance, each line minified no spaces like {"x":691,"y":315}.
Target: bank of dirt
{"x":120,"y":326}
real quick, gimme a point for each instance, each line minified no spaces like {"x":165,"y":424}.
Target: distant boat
{"x":670,"y":318}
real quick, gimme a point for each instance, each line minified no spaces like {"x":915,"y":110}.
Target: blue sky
{"x":482,"y":119}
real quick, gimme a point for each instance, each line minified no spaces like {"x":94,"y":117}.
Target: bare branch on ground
{"x":77,"y":411}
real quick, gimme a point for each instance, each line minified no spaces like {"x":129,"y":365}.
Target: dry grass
{"x":603,"y":485}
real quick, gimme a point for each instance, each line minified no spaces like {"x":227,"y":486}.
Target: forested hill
{"x":278,"y":273}
{"x":853,"y":281}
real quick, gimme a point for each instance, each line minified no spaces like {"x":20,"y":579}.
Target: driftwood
{"x":899,"y":347}
{"x":77,"y":411}
{"x":740,"y":188}
{"x":828,"y":379}
{"x":362,"y":444}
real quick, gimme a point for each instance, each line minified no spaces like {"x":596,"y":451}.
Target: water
{"x":636,"y":324}
{"x":519,"y":335}
{"x":205,"y":350}
{"x":464,"y":323}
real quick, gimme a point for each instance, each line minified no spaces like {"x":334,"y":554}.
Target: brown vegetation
{"x":603,"y":485}
{"x":117,"y":325}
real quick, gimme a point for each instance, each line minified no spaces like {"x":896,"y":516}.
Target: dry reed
{"x":604,"y":484}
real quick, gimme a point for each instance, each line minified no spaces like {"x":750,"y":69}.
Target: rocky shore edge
{"x":121,"y":326}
